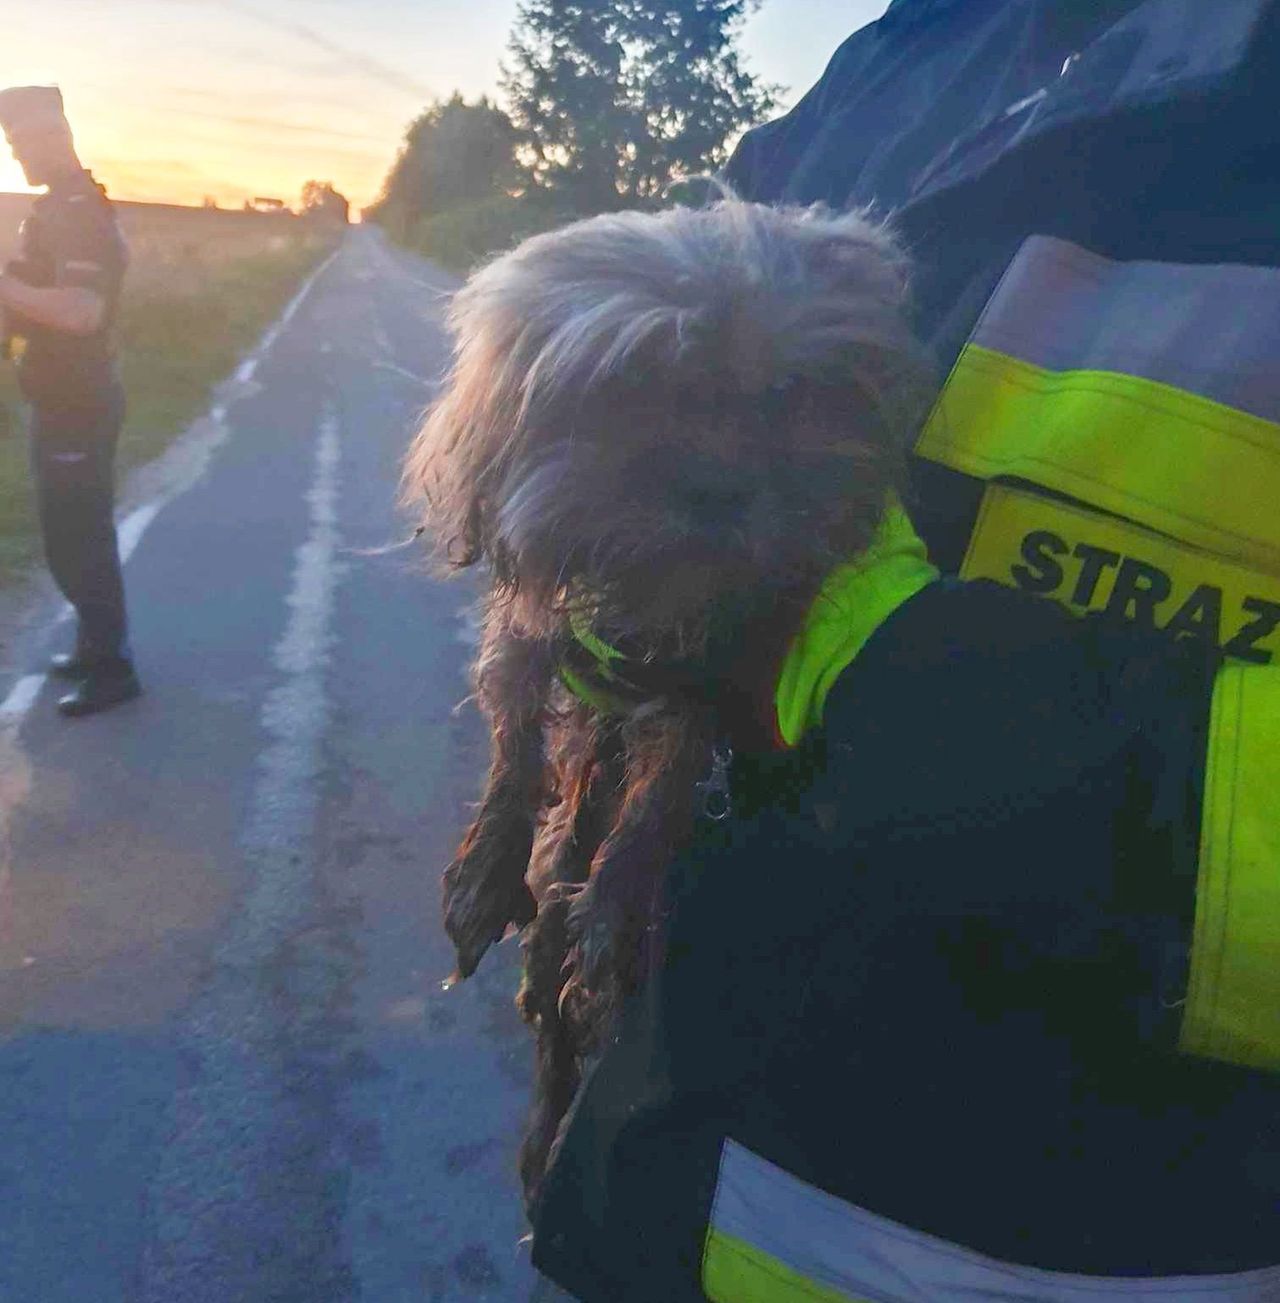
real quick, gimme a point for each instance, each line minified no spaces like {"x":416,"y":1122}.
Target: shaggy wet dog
{"x":660,"y":434}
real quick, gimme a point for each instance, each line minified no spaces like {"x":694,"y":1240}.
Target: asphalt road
{"x":228,"y":1070}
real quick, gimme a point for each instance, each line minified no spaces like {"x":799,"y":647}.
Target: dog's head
{"x":671,"y":417}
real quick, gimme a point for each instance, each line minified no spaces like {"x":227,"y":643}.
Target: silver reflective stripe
{"x":845,"y":1248}
{"x":1213,"y":330}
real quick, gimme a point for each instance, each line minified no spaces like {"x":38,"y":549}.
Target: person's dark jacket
{"x":71,"y":239}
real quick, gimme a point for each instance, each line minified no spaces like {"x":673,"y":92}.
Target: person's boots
{"x":102,"y":684}
{"x":69,"y":665}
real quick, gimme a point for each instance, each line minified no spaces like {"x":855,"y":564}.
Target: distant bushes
{"x":459,"y":238}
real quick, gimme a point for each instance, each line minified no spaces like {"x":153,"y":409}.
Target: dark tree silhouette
{"x":453,"y":155}
{"x":620,"y":97}
{"x":320,"y":200}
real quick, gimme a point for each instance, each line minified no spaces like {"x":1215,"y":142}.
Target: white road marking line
{"x":296,"y":302}
{"x":247,"y":369}
{"x":15,"y":774}
{"x":21,"y":696}
{"x":130,"y":530}
{"x":225,"y":1127}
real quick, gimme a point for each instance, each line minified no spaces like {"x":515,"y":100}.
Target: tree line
{"x":605,"y":104}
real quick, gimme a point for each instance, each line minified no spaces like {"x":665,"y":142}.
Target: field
{"x":201,"y":288}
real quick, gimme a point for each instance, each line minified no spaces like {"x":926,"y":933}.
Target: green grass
{"x":179,"y":336}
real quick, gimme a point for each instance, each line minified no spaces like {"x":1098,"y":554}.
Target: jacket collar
{"x":855,"y":600}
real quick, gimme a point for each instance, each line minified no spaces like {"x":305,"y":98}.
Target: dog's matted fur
{"x":666,"y":427}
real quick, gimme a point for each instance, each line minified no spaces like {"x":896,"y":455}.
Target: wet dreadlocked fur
{"x":672,"y":425}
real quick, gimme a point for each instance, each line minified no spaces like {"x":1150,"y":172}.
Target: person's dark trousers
{"x":73,"y":451}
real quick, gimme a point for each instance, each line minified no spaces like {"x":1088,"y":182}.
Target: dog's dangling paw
{"x":479,"y":910}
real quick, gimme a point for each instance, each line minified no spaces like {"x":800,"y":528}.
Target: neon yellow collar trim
{"x":856,"y":599}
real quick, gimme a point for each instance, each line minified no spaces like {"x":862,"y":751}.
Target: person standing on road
{"x":60,"y":300}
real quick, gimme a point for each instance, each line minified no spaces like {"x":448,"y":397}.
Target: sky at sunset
{"x":173,"y":100}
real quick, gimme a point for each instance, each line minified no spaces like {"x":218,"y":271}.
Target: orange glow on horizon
{"x":175,"y":100}
{"x":237,"y":99}
{"x":230,"y":163}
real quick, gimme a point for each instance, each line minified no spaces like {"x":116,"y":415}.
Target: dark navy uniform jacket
{"x":1137,"y":129}
{"x":70,"y":238}
{"x":932,"y":966}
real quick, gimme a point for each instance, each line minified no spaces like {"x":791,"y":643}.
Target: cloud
{"x":352,"y":60}
{"x":158,"y":180}
{"x":274,"y":124}
{"x":150,"y":166}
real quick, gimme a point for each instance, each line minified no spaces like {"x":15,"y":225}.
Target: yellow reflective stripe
{"x":734,"y":1271}
{"x":1200,"y":471}
{"x":856,"y":599}
{"x":1233,"y":999}
{"x":1091,"y":562}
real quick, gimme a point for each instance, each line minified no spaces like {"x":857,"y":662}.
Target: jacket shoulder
{"x":83,"y":224}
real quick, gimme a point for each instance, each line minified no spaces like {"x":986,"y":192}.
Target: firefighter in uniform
{"x":1014,"y":1031}
{"x":969,"y":986}
{"x":60,"y":299}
